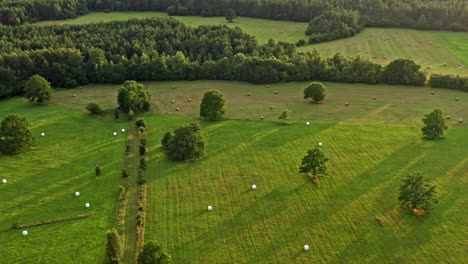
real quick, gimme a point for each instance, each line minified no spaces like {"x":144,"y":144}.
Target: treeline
{"x":333,"y":24}
{"x":449,"y":81}
{"x":166,"y":49}
{"x":420,"y":14}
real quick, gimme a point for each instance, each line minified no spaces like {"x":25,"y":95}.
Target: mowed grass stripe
{"x":272,"y":223}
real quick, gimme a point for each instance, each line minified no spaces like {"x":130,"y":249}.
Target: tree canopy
{"x":315,"y":91}
{"x":417,"y":193}
{"x":37,"y":89}
{"x":213,"y":105}
{"x":133,"y":96}
{"x":186,"y":143}
{"x":334,"y":24}
{"x":15,"y":135}
{"x":314,"y":162}
{"x":434,"y":125}
{"x":153,"y":253}
{"x":404,"y":71}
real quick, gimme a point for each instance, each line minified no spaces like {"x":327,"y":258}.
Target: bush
{"x":152,"y":253}
{"x":133,"y":96}
{"x":37,"y":89}
{"x":143,"y":141}
{"x":141,"y":130}
{"x":140,"y":122}
{"x":114,"y":247}
{"x":94,"y":109}
{"x":125,"y":173}
{"x":98,"y":170}
{"x":142,"y":150}
{"x":15,"y":135}
{"x":131,"y":115}
{"x":213,"y":105}
{"x":143,"y":163}
{"x":117,"y":113}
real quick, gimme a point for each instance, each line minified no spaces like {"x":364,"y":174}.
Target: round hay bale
{"x":177,"y":109}
{"x":254,"y":187}
{"x":375,"y":57}
{"x":87,"y":205}
{"x":190,"y":99}
{"x":432,"y":92}
{"x":445,"y":64}
{"x":210,"y":208}
{"x":4,"y":181}
{"x":307,"y":123}
{"x":428,"y":67}
{"x":385,"y":57}
{"x":459,"y":65}
{"x":320,"y":144}
{"x":271,"y":107}
{"x":346,"y":104}
{"x":74,"y":95}
{"x":173,"y":86}
{"x":173,"y":101}
{"x":115,"y":133}
{"x":261,"y":117}
{"x":25,"y":232}
{"x":460,"y":120}
{"x":43,"y":134}
{"x":448,"y":117}
{"x":268,"y":86}
{"x":248,"y":94}
{"x":457,"y":99}
{"x":410,"y":57}
{"x":77,"y":194}
{"x":306,"y":247}
{"x":374,"y":98}
{"x":276,"y":92}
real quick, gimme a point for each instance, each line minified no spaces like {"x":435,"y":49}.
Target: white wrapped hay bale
{"x":87,"y":205}
{"x":307,"y":123}
{"x":115,"y":133}
{"x":123,"y":129}
{"x":43,"y":134}
{"x":320,"y":144}
{"x":210,"y":208}
{"x":306,"y":247}
{"x":77,"y":194}
{"x":4,"y":181}
{"x":25,"y":232}
{"x":254,"y":187}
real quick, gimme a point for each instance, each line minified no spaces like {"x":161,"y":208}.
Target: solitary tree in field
{"x":187,"y":143}
{"x":315,"y":91}
{"x":37,"y":89}
{"x":114,"y":247}
{"x":153,"y":253}
{"x":314,"y":163}
{"x":230,"y":15}
{"x":166,"y":140}
{"x":94,"y":109}
{"x":213,"y":105}
{"x":434,"y":125}
{"x":417,"y":193}
{"x":15,"y":135}
{"x":133,"y":97}
{"x":284,"y":116}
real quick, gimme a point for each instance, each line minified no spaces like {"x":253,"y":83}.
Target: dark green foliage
{"x":141,"y":130}
{"x":230,"y":15}
{"x":139,"y":219}
{"x":315,"y":91}
{"x":15,"y":135}
{"x":125,"y":173}
{"x":334,"y":24}
{"x":140,"y":122}
{"x":143,"y":163}
{"x":114,"y":249}
{"x":131,"y":115}
{"x":403,"y":71}
{"x":133,"y":96}
{"x":314,"y":162}
{"x":94,"y":109}
{"x":417,"y":193}
{"x":37,"y":89}
{"x":127,"y":149}
{"x":117,"y":113}
{"x":284,"y":116}
{"x":434,"y":125}
{"x":142,"y":150}
{"x":186,"y":144}
{"x":166,"y":139}
{"x":213,"y":105}
{"x":153,"y":253}
{"x":143,"y":141}
{"x":449,"y":81}
{"x":97,"y":170}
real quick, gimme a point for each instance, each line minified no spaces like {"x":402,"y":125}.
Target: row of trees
{"x":449,"y":81}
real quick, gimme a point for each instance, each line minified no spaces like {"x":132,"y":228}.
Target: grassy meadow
{"x":394,"y":105}
{"x":372,"y":43}
{"x":287,"y":210}
{"x":42,"y":183}
{"x":371,"y":144}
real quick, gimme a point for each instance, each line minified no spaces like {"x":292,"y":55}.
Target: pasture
{"x":372,"y":43}
{"x":394,"y":105}
{"x":42,"y":183}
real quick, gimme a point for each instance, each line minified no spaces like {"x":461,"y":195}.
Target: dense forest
{"x":421,"y":14}
{"x":167,"y":49}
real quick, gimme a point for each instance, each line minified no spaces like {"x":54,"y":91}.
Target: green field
{"x":371,"y":144}
{"x":395,"y":105}
{"x":372,"y":43}
{"x":272,"y":223}
{"x":42,"y":182}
